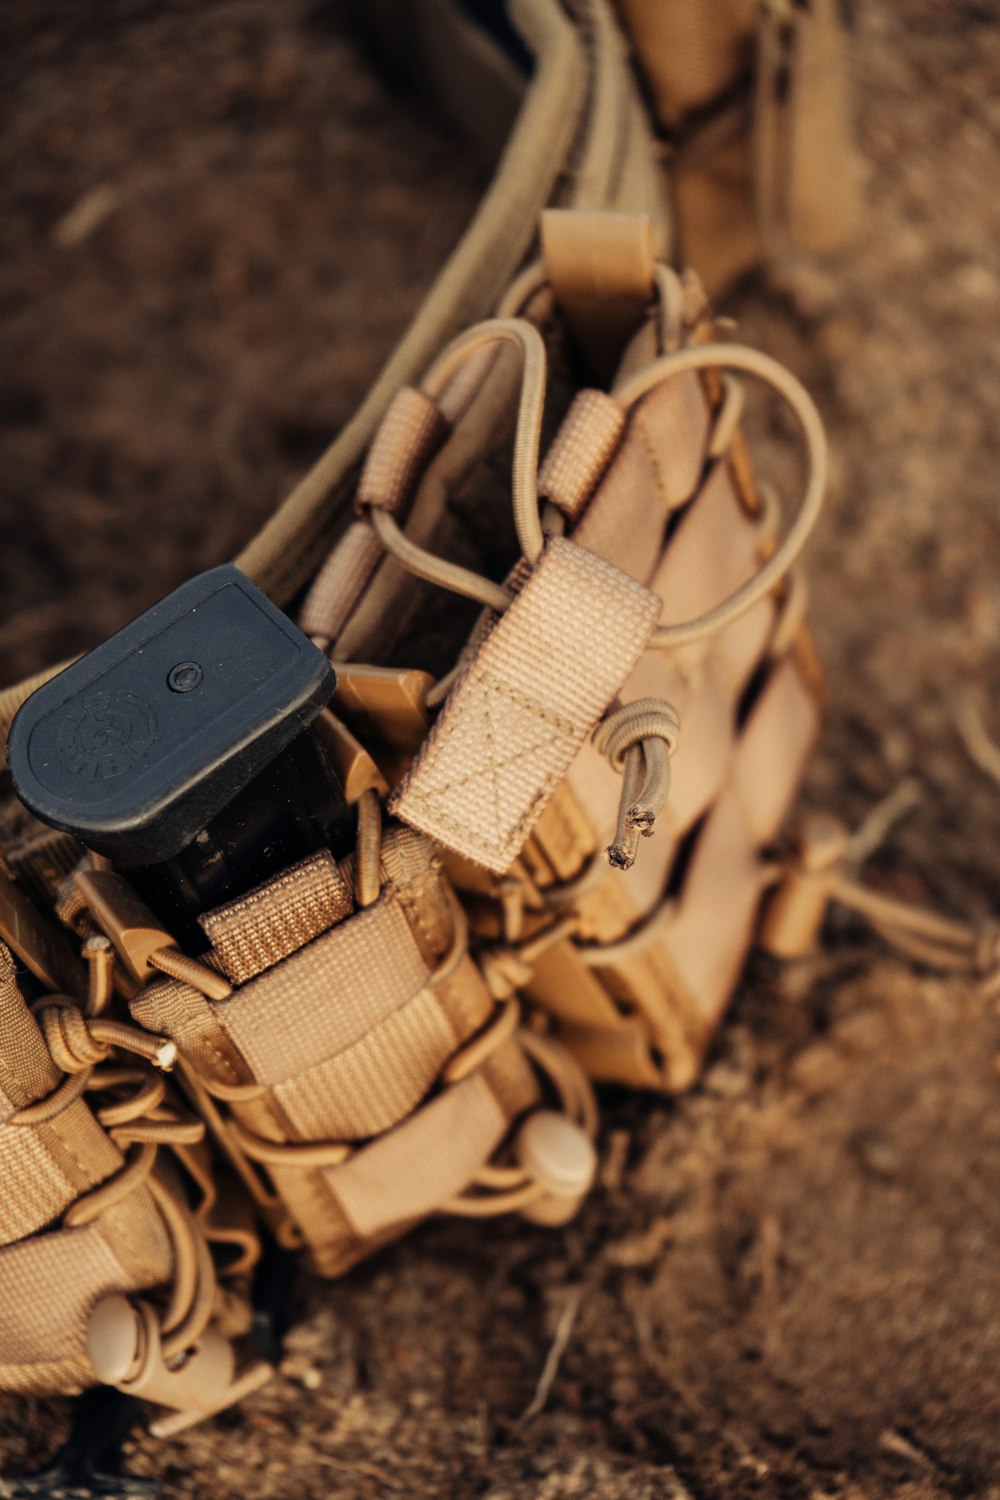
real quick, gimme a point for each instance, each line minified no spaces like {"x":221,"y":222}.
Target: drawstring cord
{"x":81,"y":1047}
{"x":637,"y":738}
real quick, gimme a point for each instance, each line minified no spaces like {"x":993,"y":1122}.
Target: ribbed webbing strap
{"x":427,"y":1159}
{"x":347,"y":1039}
{"x":46,"y":1288}
{"x":326,"y":997}
{"x":542,"y":677}
{"x":273,"y":921}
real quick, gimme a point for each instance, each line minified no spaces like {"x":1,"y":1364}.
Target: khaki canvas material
{"x":514,"y":721}
{"x":334,"y":1075}
{"x":50,"y":1277}
{"x":638,"y":990}
{"x":753,"y":104}
{"x":337,"y":1034}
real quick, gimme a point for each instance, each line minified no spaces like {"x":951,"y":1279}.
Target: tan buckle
{"x":123,"y":1344}
{"x":146,"y":950}
{"x":354,"y":766}
{"x":386,"y":708}
{"x":39,"y":944}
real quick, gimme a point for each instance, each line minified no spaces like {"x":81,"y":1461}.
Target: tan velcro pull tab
{"x":258,"y":930}
{"x":581,"y":451}
{"x":407,"y":436}
{"x":600,"y":267}
{"x":542,"y":677}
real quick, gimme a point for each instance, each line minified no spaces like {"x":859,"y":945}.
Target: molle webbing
{"x":341,"y":1041}
{"x":639,"y":989}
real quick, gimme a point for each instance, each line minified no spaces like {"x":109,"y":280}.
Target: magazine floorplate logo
{"x":106,"y":736}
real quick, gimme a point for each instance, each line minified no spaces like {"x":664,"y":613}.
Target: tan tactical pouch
{"x":356,"y":1066}
{"x":650,"y":511}
{"x":359,"y":1073}
{"x":752,"y":104}
{"x":93,"y":1210}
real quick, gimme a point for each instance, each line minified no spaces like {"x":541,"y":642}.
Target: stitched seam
{"x":654,"y":459}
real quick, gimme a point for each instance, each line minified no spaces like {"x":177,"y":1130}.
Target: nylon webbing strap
{"x":545,"y":672}
{"x":272,"y":922}
{"x":350,"y":1034}
{"x":327,"y":996}
{"x":371,"y":1085}
{"x":427,"y":1159}
{"x":47,"y":1287}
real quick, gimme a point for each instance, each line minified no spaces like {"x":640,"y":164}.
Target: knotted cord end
{"x":638,"y":739}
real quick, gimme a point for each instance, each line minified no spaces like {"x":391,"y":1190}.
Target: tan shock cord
{"x":527,"y":520}
{"x":751,"y":362}
{"x":528,"y":432}
{"x":637,"y":738}
{"x":80,"y":1046}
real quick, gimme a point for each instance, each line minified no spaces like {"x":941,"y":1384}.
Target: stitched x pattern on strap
{"x":542,"y":677}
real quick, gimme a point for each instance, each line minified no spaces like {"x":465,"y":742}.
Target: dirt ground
{"x":214,"y":224}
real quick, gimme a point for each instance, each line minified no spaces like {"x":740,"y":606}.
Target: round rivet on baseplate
{"x":184,"y":677}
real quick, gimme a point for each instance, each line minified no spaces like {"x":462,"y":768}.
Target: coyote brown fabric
{"x":50,"y":1278}
{"x":342,"y":1038}
{"x":753,"y":101}
{"x":250,"y":934}
{"x":639,"y":992}
{"x":408,"y":1172}
{"x":542,"y":676}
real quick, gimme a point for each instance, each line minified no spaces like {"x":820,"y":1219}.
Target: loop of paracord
{"x":509,"y":1189}
{"x":80,"y":1045}
{"x":752,"y":362}
{"x":527,"y":437}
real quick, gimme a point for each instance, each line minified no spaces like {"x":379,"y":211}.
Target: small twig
{"x":86,"y":215}
{"x":883,"y":817}
{"x":983,"y":750}
{"x":550,"y":1369}
{"x":891,"y":1441}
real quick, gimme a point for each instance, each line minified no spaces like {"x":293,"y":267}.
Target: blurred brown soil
{"x":215,"y":223}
